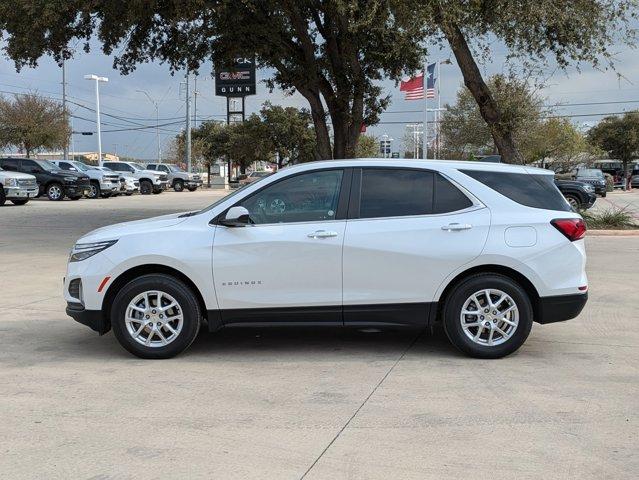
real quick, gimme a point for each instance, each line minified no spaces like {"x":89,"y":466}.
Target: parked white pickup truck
{"x":17,"y":187}
{"x":103,"y":183}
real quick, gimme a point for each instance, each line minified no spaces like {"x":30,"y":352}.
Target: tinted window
{"x":392,"y":193}
{"x":448,"y":198}
{"x":537,"y":191}
{"x":302,"y":198}
{"x":65,"y":166}
{"x":118,"y":167}
{"x":150,"y":167}
{"x":9,"y":164}
{"x":30,"y":166}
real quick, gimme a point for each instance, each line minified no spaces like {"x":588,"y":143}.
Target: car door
{"x":287,"y":265}
{"x":408,"y":229}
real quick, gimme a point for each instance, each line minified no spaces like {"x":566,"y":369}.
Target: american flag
{"x":414,"y":87}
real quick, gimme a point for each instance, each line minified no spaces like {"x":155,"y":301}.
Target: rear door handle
{"x":322,"y":234}
{"x":454,"y":227}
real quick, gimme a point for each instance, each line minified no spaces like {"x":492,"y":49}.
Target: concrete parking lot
{"x":303,"y":403}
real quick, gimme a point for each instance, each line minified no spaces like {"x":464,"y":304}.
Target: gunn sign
{"x":237,"y":80}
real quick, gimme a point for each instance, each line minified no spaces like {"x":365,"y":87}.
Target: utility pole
{"x":65,"y":152}
{"x":188,"y":125}
{"x":195,"y":92}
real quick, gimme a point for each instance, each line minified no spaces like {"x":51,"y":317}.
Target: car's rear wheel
{"x":573,"y":201}
{"x":488,"y":316}
{"x":155,"y":316}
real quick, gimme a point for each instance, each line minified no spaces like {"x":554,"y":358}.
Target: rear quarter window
{"x":537,"y":191}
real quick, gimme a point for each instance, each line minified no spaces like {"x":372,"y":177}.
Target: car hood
{"x":8,"y":174}
{"x":113,"y":232}
{"x":152,"y":172}
{"x":570,"y":183}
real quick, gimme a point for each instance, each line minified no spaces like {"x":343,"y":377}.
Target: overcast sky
{"x":120,"y":97}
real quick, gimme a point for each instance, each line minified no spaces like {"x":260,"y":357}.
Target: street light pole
{"x":97,"y":80}
{"x":157,"y":122}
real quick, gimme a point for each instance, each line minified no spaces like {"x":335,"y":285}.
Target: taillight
{"x":572,"y":228}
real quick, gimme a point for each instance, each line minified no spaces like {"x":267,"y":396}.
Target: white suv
{"x":485,"y":249}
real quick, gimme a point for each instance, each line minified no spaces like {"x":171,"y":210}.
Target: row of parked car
{"x":23,"y":178}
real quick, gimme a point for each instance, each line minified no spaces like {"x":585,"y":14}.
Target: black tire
{"x":178,"y":185}
{"x":604,"y":194}
{"x":191,"y":189}
{"x":3,"y":197}
{"x":146,"y":187}
{"x":77,"y":197}
{"x":573,"y":201}
{"x":180,"y":292}
{"x":128,"y":194}
{"x":95,"y":191}
{"x":55,"y":192}
{"x":18,"y":201}
{"x":458,"y":296}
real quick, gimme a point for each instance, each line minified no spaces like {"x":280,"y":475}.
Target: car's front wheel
{"x":155,"y":316}
{"x":178,"y":185}
{"x":146,"y":187}
{"x":488,"y":316}
{"x":55,"y":192}
{"x":574,"y":202}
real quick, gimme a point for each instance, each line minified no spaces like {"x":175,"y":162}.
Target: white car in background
{"x":150,"y":181}
{"x":104,"y":183}
{"x":484,"y":249}
{"x":128,"y":184}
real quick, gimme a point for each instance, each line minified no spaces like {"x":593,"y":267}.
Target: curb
{"x":613,"y":233}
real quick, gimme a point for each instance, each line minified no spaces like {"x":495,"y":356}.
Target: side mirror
{"x":236,"y":217}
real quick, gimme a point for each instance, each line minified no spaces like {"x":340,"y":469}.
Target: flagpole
{"x":439,"y":107}
{"x":425,"y":135}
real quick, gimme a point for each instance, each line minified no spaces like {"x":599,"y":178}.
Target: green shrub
{"x":611,"y":219}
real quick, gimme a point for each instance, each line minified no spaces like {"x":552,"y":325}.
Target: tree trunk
{"x":488,"y":108}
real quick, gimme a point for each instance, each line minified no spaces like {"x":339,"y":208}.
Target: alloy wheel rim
{"x":93,"y":192}
{"x":573,"y":203}
{"x":154,"y":319}
{"x":489,"y":317}
{"x":54,"y":191}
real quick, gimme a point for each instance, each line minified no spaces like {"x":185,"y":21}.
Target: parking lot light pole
{"x":157,"y":122}
{"x":97,"y":80}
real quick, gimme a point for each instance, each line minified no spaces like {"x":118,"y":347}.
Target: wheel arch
{"x":147,"y":269}
{"x":511,"y":273}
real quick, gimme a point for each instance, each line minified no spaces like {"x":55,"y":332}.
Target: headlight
{"x":589,"y":188}
{"x":10,"y":182}
{"x":82,"y":251}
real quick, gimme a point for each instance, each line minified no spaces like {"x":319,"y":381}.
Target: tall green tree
{"x":556,"y":140}
{"x":291,"y":133}
{"x":31,"y":122}
{"x":535,"y":33}
{"x":465,"y":131}
{"x":332,"y":52}
{"x":618,"y":137}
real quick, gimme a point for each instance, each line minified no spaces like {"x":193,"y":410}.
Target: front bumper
{"x":76,"y":190}
{"x":560,"y":308}
{"x":109,"y":186}
{"x":93,"y":319}
{"x":161,"y":185}
{"x":20,"y":192}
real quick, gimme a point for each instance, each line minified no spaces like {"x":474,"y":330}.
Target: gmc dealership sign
{"x":237,"y":80}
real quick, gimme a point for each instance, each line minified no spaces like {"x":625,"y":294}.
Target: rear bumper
{"x":93,"y":319}
{"x":560,"y":308}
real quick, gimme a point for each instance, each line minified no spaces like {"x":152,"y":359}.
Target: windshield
{"x":80,"y":166}
{"x":47,"y":165}
{"x":175,"y":168}
{"x":590,"y":172}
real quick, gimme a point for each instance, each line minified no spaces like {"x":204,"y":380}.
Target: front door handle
{"x":322,"y":234}
{"x":455,"y":227}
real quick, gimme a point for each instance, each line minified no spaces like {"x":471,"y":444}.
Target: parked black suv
{"x":594,"y":177}
{"x":580,"y":195}
{"x":52,"y":181}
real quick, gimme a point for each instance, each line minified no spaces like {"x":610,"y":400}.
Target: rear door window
{"x":388,"y":192}
{"x":537,"y":191}
{"x":449,"y":198}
